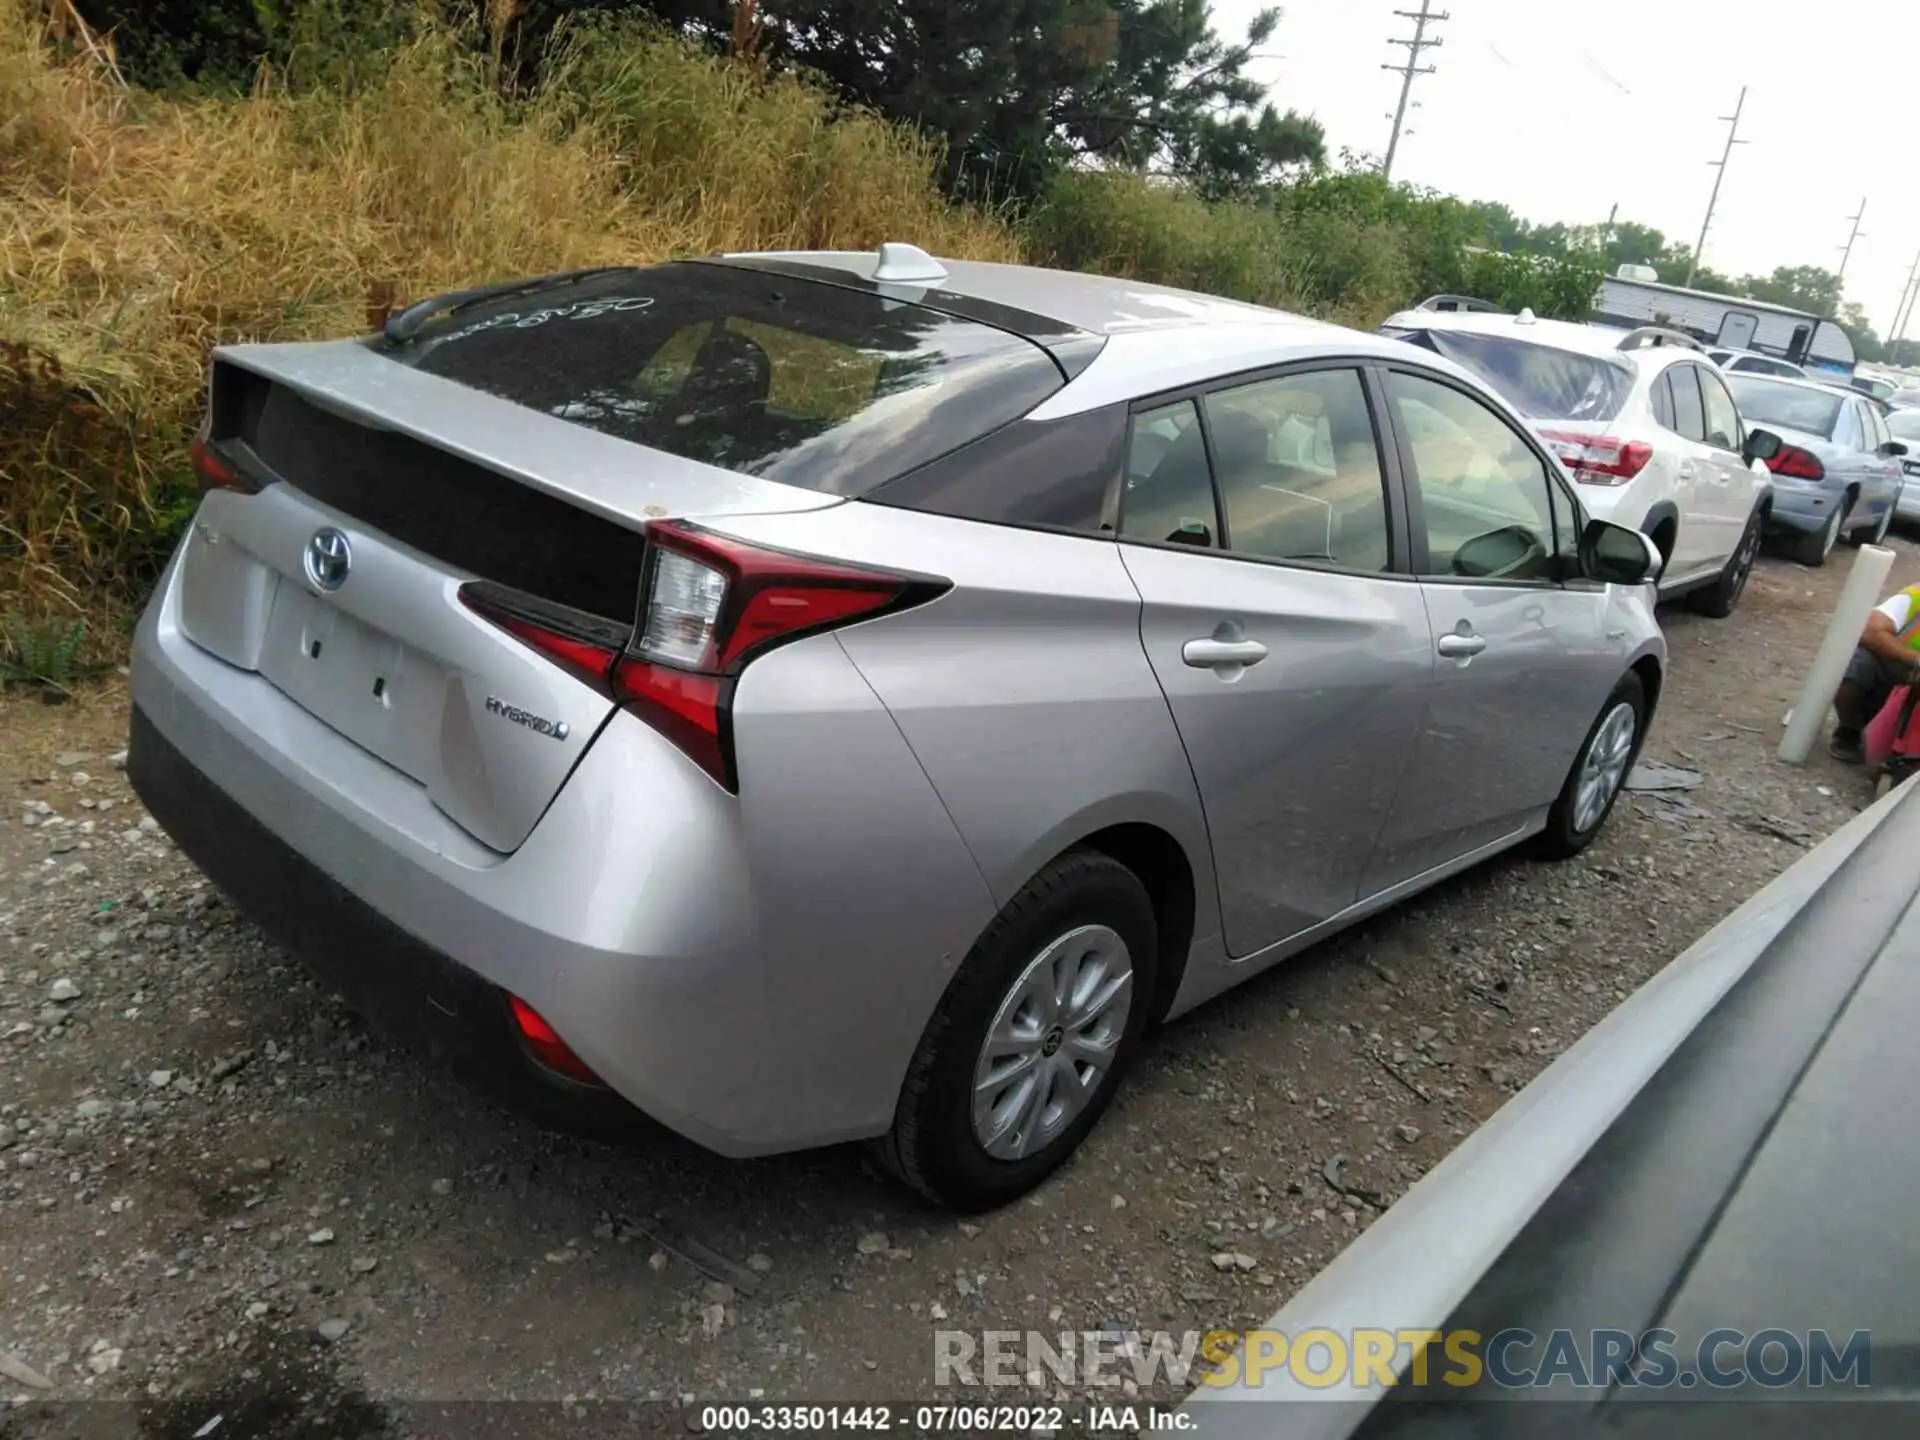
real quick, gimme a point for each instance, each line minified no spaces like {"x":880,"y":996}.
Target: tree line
{"x":1020,"y":93}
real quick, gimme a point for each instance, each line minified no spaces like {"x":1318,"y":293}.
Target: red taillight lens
{"x":1599,"y":459}
{"x":214,"y":470}
{"x":709,"y":606}
{"x":543,"y":1042}
{"x":1797,"y":464}
{"x":712,"y":604}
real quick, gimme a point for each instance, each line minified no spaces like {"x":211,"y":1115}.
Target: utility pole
{"x":1720,"y":165}
{"x":1902,"y":313}
{"x":1846,"y":254}
{"x":1606,"y":235}
{"x":1421,"y":18}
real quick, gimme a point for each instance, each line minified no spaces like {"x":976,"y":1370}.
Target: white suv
{"x":1644,"y":424}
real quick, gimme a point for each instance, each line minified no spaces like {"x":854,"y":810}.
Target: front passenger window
{"x":1169,"y":494}
{"x":1484,"y":496}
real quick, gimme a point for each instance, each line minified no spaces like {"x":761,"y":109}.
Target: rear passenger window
{"x":1689,"y":415}
{"x":1299,"y":470}
{"x":1723,"y":416}
{"x":1663,"y":401}
{"x":1169,"y":493}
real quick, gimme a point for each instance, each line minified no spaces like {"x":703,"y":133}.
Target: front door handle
{"x":1212,"y":654}
{"x":1459,"y":647}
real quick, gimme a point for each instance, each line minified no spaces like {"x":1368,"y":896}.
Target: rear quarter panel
{"x":1024,"y":692}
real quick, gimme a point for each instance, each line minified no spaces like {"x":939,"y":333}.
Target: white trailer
{"x":1738,"y":323}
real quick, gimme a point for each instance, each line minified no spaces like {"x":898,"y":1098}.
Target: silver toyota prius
{"x":826,"y":696}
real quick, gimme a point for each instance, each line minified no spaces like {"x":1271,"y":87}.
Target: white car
{"x":1644,"y":424}
{"x":1753,"y":362}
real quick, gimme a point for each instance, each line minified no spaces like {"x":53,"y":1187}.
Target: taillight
{"x":214,"y":470}
{"x":1601,"y":459}
{"x":544,"y":1044}
{"x":709,"y":606}
{"x":1797,"y":464}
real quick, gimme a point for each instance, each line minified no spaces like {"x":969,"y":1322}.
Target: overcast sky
{"x":1561,"y":110}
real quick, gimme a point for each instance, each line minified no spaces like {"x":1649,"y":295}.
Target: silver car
{"x":1837,"y":475}
{"x":1904,"y":426}
{"x":819,"y":697}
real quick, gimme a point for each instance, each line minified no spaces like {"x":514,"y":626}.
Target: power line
{"x":1846,"y":253}
{"x":1733,"y":138}
{"x":1902,"y":313}
{"x":1421,"y":18}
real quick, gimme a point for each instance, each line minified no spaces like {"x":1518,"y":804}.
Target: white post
{"x":1857,"y":599}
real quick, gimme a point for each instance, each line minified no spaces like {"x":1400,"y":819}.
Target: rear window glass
{"x":1768,"y":402}
{"x":788,"y":379}
{"x":1540,"y":382}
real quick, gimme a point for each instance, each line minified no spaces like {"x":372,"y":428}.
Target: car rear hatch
{"x":383,"y":518}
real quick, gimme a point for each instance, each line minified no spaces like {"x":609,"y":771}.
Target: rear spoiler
{"x":1650,"y":335}
{"x":1461,"y":302}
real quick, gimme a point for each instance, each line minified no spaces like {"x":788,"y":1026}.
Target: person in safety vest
{"x":1888,"y":656}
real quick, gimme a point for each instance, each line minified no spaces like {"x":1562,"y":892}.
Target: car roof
{"x":1096,"y":304}
{"x":1843,"y":390}
{"x":1152,"y":338}
{"x":1600,"y":341}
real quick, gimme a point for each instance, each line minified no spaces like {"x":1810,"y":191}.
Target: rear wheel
{"x":1031,"y":1039}
{"x":1718,"y":599}
{"x":1879,"y":531}
{"x":1599,"y":772}
{"x":1813,"y":549}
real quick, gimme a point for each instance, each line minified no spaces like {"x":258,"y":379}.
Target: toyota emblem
{"x":329,"y":558}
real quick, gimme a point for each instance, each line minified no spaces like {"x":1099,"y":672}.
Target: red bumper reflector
{"x":543,"y":1042}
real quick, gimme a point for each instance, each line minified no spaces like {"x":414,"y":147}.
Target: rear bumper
{"x":1800,"y":507}
{"x":410,"y":990}
{"x":747,"y":985}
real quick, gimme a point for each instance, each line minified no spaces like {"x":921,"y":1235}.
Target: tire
{"x":1813,"y":550}
{"x":1083,"y":899}
{"x":1717,"y":600}
{"x":1879,"y":531}
{"x":1572,"y":824}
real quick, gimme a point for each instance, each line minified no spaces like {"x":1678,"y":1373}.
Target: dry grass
{"x":137,"y":231}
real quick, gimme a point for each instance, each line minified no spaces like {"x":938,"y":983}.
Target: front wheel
{"x":1880,"y":531}
{"x":1717,"y":601}
{"x":1599,"y":772}
{"x":1813,"y":550}
{"x":1030,"y":1041}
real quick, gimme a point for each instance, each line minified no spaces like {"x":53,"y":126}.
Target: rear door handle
{"x":1459,"y":647}
{"x":1212,"y":654}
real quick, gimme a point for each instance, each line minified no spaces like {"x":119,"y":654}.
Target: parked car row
{"x":833,"y":696}
{"x":1660,"y":437}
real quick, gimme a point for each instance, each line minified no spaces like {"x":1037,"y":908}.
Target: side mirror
{"x":1762,"y":445}
{"x":1192,"y":532}
{"x":1894,"y":449}
{"x":1618,"y":555}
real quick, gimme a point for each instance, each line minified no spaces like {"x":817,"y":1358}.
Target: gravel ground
{"x":220,"y":1196}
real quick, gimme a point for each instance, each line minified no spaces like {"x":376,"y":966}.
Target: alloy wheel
{"x":1604,"y":768}
{"x":1831,"y":535}
{"x":1053,"y":1042}
{"x":1743,"y":561}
